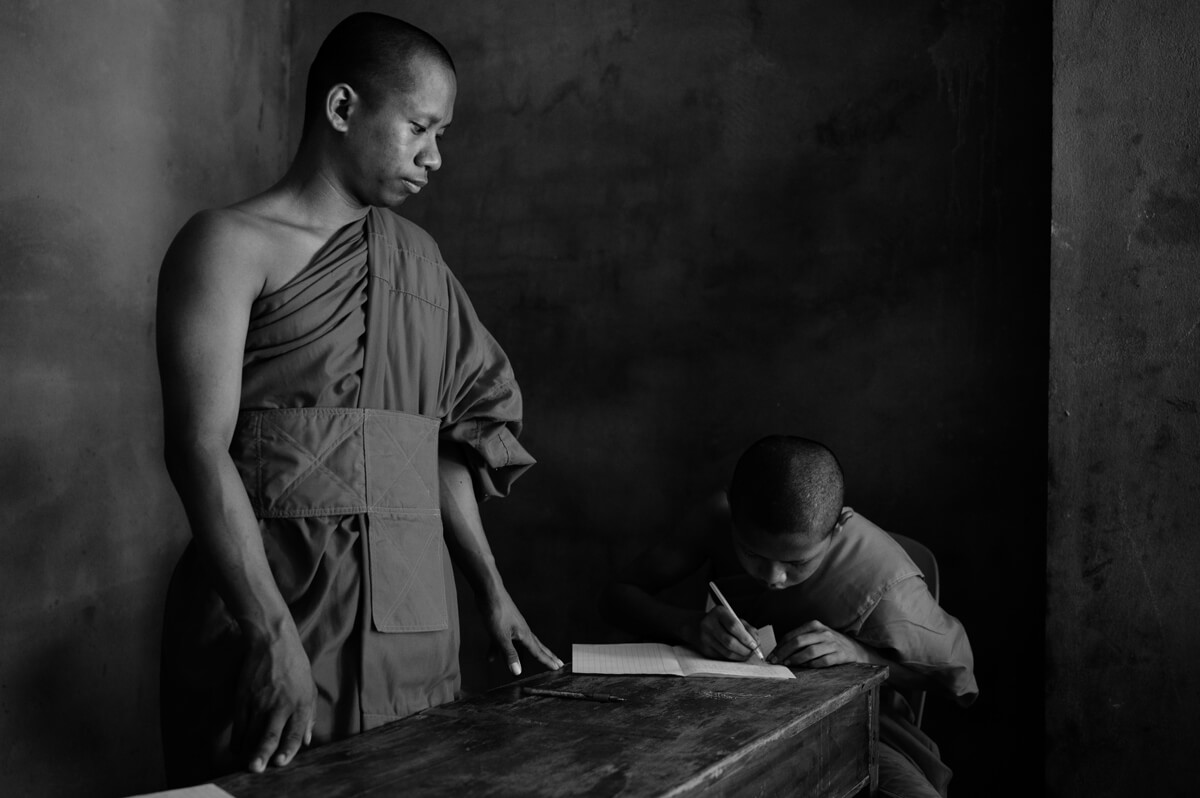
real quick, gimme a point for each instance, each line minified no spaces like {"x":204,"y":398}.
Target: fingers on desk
{"x":539,"y":650}
{"x":813,"y":645}
{"x":297,"y":732}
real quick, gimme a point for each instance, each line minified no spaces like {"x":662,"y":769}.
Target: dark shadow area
{"x":691,"y":230}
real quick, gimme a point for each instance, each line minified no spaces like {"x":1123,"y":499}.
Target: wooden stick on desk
{"x":570,"y":694}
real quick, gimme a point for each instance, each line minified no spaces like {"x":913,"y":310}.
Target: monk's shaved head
{"x":784,"y":484}
{"x":371,"y":53}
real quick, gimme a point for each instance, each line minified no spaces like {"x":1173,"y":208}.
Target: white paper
{"x":656,"y":659}
{"x":692,"y":664}
{"x":199,"y":791}
{"x":659,"y":659}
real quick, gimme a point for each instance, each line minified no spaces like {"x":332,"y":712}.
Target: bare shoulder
{"x":253,"y":244}
{"x":222,"y":244}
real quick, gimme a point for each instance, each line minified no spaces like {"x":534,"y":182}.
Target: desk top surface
{"x":667,"y":731}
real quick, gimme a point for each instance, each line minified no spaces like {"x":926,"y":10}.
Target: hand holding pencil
{"x":723,"y":635}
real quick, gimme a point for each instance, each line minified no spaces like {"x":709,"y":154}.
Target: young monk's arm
{"x":815,"y":645}
{"x":470,"y":549}
{"x":206,"y":288}
{"x":923,"y":646}
{"x":632,"y":602}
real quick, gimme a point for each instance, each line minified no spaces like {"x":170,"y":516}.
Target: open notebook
{"x":660,"y":659}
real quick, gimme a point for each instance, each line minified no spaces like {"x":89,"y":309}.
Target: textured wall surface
{"x":1122,"y":640}
{"x":122,"y":120}
{"x":691,"y":223}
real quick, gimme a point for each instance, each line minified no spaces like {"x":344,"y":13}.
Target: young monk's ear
{"x":339,"y":102}
{"x":845,"y":515}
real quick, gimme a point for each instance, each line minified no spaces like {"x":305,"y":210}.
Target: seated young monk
{"x":784,"y":550}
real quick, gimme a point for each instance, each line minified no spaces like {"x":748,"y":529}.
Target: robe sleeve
{"x":908,"y":626}
{"x":482,"y":400}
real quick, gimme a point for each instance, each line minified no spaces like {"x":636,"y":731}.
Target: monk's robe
{"x":353,"y":373}
{"x":868,"y":589}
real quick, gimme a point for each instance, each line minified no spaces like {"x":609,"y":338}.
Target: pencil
{"x":570,"y":694}
{"x":725,"y":604}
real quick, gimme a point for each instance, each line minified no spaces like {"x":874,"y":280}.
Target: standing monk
{"x":333,"y":409}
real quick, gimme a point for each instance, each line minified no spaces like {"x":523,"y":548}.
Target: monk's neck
{"x":311,"y":191}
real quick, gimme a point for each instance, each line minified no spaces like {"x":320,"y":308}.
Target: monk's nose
{"x":431,"y":156}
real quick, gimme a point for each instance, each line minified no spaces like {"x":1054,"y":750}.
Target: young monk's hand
{"x":721,"y":636}
{"x":506,"y":624}
{"x":275,"y":703}
{"x":815,"y":645}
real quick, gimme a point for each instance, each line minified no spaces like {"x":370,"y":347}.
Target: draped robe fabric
{"x":869,"y":589}
{"x":353,"y":372}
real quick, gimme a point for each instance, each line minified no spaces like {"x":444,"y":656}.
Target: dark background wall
{"x":693,"y":223}
{"x":688,"y":223}
{"x":1122,"y":639}
{"x":122,"y":120}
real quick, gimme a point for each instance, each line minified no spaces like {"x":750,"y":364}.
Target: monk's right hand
{"x":721,"y":636}
{"x":275,"y":705}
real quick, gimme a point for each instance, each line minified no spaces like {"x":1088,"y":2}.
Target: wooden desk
{"x":815,"y":736}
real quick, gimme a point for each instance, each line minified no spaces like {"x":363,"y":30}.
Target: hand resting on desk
{"x":275,"y":701}
{"x":506,"y":624}
{"x":815,"y":645}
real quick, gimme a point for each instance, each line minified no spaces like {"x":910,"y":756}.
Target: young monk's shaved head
{"x":371,"y":53}
{"x":784,"y":484}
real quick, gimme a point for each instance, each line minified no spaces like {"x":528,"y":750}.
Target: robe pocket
{"x":408,"y":582}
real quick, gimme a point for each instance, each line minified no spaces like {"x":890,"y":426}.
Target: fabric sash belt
{"x":329,"y":461}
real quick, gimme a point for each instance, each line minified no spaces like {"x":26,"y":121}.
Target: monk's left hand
{"x":815,"y":645}
{"x":506,"y":625}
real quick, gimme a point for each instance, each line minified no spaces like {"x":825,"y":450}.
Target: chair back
{"x":923,"y":558}
{"x":920,"y":554}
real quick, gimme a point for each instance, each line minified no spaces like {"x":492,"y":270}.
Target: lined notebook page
{"x":659,"y":659}
{"x":656,"y":659}
{"x":201,"y":791}
{"x":692,"y":664}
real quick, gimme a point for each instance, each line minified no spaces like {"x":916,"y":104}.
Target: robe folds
{"x":868,"y":588}
{"x":353,"y":372}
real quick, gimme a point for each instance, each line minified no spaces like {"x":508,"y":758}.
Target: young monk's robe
{"x":352,"y":373}
{"x":869,"y":589}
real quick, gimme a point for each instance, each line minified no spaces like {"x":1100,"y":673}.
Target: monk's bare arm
{"x":207,"y":284}
{"x":470,"y":549}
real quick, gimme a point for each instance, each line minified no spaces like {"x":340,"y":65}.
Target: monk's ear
{"x":340,"y":102}
{"x":843,"y":517}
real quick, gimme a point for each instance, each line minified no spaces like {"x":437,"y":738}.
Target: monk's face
{"x":778,"y":560}
{"x":394,"y":146}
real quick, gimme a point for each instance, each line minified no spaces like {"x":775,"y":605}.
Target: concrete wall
{"x":122,"y":119}
{"x":691,"y":223}
{"x":1122,"y":689}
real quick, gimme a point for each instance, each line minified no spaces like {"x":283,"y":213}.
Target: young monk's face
{"x":778,"y":560}
{"x":395,"y":147}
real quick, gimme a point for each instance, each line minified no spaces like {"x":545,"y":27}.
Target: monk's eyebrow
{"x":426,"y":113}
